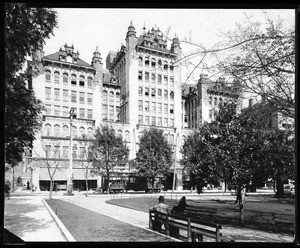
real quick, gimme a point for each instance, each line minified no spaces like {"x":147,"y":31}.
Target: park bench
{"x":185,"y":228}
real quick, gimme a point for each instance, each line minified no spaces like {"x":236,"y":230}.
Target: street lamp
{"x":70,"y":169}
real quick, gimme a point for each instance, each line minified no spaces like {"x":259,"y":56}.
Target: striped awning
{"x":61,"y":174}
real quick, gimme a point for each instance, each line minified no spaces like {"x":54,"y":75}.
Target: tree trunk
{"x":279,"y":187}
{"x":51,"y":189}
{"x":86,"y":186}
{"x":240,"y":198}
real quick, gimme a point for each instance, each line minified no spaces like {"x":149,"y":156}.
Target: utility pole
{"x":70,"y":169}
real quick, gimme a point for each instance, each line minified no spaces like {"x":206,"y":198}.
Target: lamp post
{"x":70,"y":169}
{"x":174,"y":174}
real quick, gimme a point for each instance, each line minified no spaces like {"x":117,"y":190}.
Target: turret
{"x":131,"y":31}
{"x":131,"y":39}
{"x":96,"y":57}
{"x":175,"y":47}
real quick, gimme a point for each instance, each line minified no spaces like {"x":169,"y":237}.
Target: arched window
{"x":74,"y":131}
{"x":56,"y":77}
{"x":147,"y":62}
{"x":127,"y":136}
{"x":171,"y":68}
{"x":166,"y":67}
{"x":172,"y":95}
{"x":111,"y":96}
{"x":120,"y":134}
{"x":47,"y":130}
{"x":65,"y":78}
{"x":81,"y":132}
{"x":90,"y":132}
{"x":140,"y":61}
{"x":153,"y":63}
{"x":114,"y":132}
{"x":140,"y":90}
{"x":90,"y":82}
{"x":159,"y":64}
{"x":81,"y":80}
{"x":166,"y":137}
{"x":56,"y":130}
{"x":73,"y":79}
{"x":172,"y":139}
{"x":66,"y":131}
{"x":104,"y":95}
{"x":47,"y":75}
{"x":117,"y":96}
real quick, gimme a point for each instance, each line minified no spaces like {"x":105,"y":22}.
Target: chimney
{"x":250,"y":102}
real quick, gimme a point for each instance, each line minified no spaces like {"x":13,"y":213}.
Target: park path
{"x":28,"y":218}
{"x":141,"y":219}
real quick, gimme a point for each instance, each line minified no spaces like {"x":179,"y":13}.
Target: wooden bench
{"x":199,"y":213}
{"x":184,"y":228}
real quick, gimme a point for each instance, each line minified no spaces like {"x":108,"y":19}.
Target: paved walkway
{"x":141,"y":219}
{"x":28,"y":218}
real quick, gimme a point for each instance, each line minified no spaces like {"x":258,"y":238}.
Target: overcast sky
{"x":86,"y":28}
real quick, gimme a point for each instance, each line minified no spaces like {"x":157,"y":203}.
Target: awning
{"x":61,"y":174}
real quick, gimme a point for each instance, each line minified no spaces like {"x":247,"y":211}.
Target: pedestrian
{"x":161,"y":207}
{"x":27,"y":184}
{"x":7,"y":189}
{"x":180,"y":207}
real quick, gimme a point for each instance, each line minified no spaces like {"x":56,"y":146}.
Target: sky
{"x":86,"y":28}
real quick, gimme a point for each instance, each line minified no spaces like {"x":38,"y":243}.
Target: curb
{"x":64,"y":231}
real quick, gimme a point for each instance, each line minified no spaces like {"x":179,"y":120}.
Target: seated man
{"x":161,"y":207}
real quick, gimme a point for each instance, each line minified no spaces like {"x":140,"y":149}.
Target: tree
{"x":107,"y":152}
{"x":25,"y":32}
{"x":154,"y":156}
{"x":51,"y":159}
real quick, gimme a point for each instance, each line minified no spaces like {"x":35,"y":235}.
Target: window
{"x":118,"y":112}
{"x":171,"y":68}
{"x":210,"y":100}
{"x":153,"y":78}
{"x":147,"y":120}
{"x":117,"y":97}
{"x":47,"y":150}
{"x":166,"y":67}
{"x":48,"y":76}
{"x":210,"y":114}
{"x":56,"y":131}
{"x":82,"y":152}
{"x":48,"y":93}
{"x":75,"y":151}
{"x":171,"y":81}
{"x":89,"y":98}
{"x":165,"y":80}
{"x":159,"y":78}
{"x":47,"y":130}
{"x":81,"y":97}
{"x":65,"y":131}
{"x":111,"y":111}
{"x":152,"y":106}
{"x":172,"y":95}
{"x":172,"y":122}
{"x":153,"y":92}
{"x":73,"y":80}
{"x":90,"y":114}
{"x":81,"y":81}
{"x":90,"y":132}
{"x":81,"y":132}
{"x":65,"y":95}
{"x":159,"y":93}
{"x":159,"y":64}
{"x":215,"y":101}
{"x":140,"y":105}
{"x":89,"y":82}
{"x":159,"y":107}
{"x":140,"y":75}
{"x":73,"y":96}
{"x":65,"y":78}
{"x":65,"y":111}
{"x":159,"y":121}
{"x":111,"y":96}
{"x":127,"y":136}
{"x":56,"y":94}
{"x":146,"y":76}
{"x":140,"y":90}
{"x":165,"y":108}
{"x":147,"y":63}
{"x":104,"y":95}
{"x":153,"y":64}
{"x":56,"y":77}
{"x":147,"y":106}
{"x":165,"y":94}
{"x":74,"y":131}
{"x":140,"y":61}
{"x":146,"y":91}
{"x":153,"y":121}
{"x":140,"y":119}
{"x":82,"y":113}
{"x":171,"y":109}
{"x":165,"y":122}
{"x":171,"y":139}
{"x":57,"y":110}
{"x":65,"y":151}
{"x":48,"y":109}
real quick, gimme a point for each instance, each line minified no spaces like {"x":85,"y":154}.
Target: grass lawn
{"x":268,"y":215}
{"x":86,"y":225}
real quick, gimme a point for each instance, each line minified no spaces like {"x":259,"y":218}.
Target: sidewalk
{"x":141,"y":219}
{"x":27,"y":217}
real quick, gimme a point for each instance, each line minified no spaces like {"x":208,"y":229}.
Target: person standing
{"x":7,"y":189}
